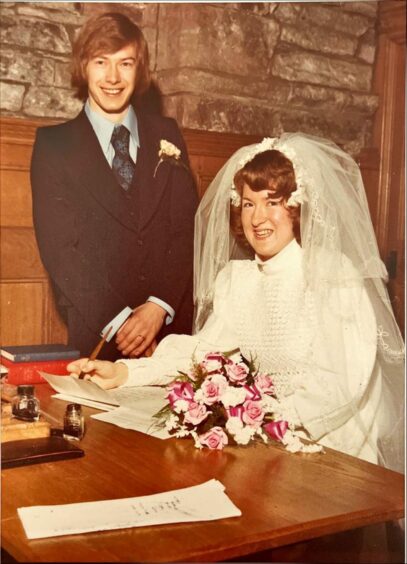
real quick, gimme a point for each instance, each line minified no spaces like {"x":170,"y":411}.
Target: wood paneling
{"x":389,"y":138}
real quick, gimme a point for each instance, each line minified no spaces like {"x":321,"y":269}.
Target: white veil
{"x":339,"y":250}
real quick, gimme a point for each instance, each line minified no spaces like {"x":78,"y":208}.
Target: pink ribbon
{"x":276,"y":429}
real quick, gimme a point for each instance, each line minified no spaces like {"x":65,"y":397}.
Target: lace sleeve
{"x":340,"y":383}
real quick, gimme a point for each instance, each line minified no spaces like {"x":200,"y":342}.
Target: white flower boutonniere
{"x":169,"y":152}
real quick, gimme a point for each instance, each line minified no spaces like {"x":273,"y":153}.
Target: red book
{"x":28,"y":372}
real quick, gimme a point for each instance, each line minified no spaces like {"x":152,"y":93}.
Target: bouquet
{"x":223,"y":400}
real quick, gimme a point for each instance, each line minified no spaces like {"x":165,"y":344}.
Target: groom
{"x":113,"y":228}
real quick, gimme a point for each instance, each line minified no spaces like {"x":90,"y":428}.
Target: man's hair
{"x":269,"y":170}
{"x":107,"y":34}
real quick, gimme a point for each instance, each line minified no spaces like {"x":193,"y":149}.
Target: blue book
{"x":32,"y":353}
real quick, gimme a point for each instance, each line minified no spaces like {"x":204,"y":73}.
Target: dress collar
{"x":288,"y":257}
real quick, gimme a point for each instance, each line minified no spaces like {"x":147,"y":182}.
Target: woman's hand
{"x":105,"y":374}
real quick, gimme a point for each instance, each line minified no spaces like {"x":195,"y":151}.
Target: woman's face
{"x":266,"y":222}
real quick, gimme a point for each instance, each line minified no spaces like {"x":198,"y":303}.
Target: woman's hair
{"x":269,"y":170}
{"x":107,"y":34}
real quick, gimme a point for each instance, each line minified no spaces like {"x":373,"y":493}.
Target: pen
{"x":96,"y":350}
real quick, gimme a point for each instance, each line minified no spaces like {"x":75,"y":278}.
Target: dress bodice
{"x":272,"y":314}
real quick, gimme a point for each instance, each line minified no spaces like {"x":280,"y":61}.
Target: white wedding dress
{"x":265,"y":309}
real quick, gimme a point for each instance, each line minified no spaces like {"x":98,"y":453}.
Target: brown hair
{"x":107,"y":34}
{"x":269,"y":170}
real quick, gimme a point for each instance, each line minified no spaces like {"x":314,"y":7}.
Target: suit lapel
{"x":148,"y":187}
{"x":96,"y":176}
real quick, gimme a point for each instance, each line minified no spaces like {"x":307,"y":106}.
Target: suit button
{"x":141,"y":277}
{"x":139,"y":242}
{"x":132,"y":214}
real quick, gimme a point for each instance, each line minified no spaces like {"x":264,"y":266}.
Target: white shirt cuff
{"x":171,"y":313}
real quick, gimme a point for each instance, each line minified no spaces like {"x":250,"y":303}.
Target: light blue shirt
{"x":103,"y":129}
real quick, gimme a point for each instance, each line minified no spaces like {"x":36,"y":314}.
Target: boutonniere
{"x":169,"y":152}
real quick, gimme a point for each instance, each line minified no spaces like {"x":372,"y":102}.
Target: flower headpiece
{"x":299,"y":196}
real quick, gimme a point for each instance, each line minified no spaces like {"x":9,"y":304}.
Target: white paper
{"x":129,"y":418}
{"x":82,"y":401}
{"x":205,"y":502}
{"x":79,"y":388}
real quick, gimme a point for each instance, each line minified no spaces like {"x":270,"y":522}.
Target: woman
{"x":311,"y":306}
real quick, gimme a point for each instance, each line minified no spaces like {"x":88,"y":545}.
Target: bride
{"x":311,"y":305}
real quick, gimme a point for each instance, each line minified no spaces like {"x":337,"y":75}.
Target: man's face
{"x":111,"y":82}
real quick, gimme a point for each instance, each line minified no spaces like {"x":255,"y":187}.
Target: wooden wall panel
{"x":23,"y":304}
{"x":15,"y":199}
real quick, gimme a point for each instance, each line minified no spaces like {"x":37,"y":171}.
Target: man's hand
{"x":104,"y":373}
{"x":137,"y":335}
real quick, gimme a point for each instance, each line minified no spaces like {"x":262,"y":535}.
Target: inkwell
{"x":25,"y":405}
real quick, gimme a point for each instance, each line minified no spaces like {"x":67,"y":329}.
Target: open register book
{"x":130,"y":408}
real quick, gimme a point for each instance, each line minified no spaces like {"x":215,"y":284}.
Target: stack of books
{"x":23,"y":364}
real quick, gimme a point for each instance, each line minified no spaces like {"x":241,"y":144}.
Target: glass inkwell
{"x":25,"y":405}
{"x":74,"y":422}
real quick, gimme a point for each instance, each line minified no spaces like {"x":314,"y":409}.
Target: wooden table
{"x":284,"y":498}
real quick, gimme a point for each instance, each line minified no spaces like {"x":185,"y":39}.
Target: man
{"x":114,"y":223}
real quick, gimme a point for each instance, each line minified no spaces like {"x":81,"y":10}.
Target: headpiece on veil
{"x":339,"y":250}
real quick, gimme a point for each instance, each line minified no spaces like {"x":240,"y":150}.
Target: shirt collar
{"x":103,"y":127}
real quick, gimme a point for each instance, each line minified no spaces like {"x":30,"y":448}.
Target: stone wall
{"x":258,"y":68}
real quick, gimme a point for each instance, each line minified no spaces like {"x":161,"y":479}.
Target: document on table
{"x":138,"y":420}
{"x":144,"y":398}
{"x":205,"y":502}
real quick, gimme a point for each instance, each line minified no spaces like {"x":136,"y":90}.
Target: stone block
{"x":259,"y":8}
{"x":333,"y":17}
{"x":198,"y":81}
{"x":319,"y":39}
{"x":62,"y":74}
{"x":220,"y":114}
{"x":63,"y":12}
{"x":11,"y":96}
{"x":300,"y":66}
{"x":366,"y":8}
{"x":35,"y":34}
{"x":213,"y":38}
{"x":27,"y":67}
{"x":143,"y":14}
{"x":336,"y":19}
{"x":288,"y":12}
{"x":367,"y":47}
{"x":318,"y":98}
{"x":51,"y":102}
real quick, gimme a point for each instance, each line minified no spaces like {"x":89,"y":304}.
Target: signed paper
{"x":205,"y":502}
{"x":148,"y":399}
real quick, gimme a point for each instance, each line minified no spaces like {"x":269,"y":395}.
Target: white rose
{"x":233,"y":396}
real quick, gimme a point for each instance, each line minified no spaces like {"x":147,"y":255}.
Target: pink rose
{"x":252,"y":393}
{"x":276,"y":429}
{"x":253,"y":413}
{"x":264,"y":383}
{"x":196,"y":413}
{"x":180,"y":391}
{"x":212,"y":388}
{"x":237,"y":373}
{"x":215,"y":438}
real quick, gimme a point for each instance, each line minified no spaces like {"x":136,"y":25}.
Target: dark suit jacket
{"x":105,"y":248}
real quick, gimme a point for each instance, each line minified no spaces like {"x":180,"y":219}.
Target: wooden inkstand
{"x":13,"y":429}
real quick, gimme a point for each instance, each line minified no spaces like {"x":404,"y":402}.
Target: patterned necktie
{"x":122,"y":165}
